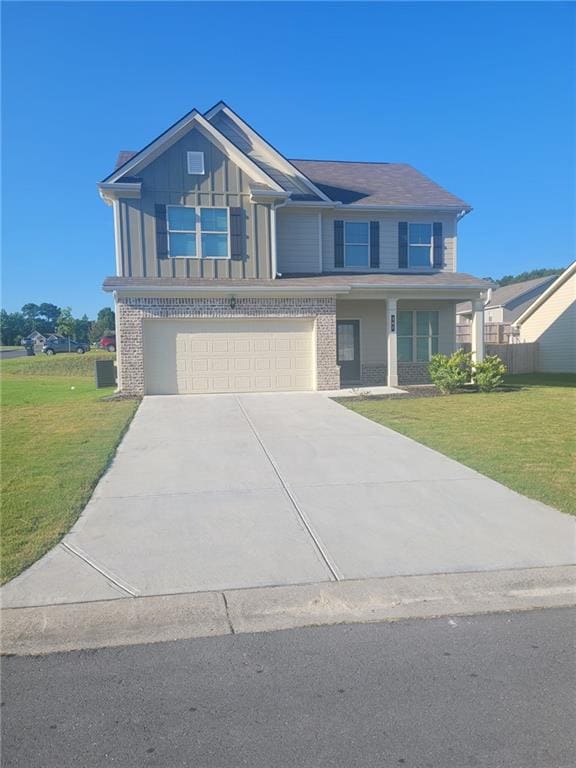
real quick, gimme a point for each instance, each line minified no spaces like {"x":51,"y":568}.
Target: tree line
{"x":531,"y":275}
{"x":47,"y":318}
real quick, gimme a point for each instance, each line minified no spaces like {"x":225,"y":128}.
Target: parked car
{"x":56,"y":344}
{"x":108,"y":342}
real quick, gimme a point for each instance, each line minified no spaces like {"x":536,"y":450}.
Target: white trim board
{"x":268,"y":150}
{"x":192,"y":120}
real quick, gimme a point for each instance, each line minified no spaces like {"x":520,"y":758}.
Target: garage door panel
{"x":196,"y":356}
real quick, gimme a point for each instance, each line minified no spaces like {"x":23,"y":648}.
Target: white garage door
{"x":260,"y":355}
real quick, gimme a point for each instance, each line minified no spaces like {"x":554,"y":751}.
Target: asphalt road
{"x":491,"y":691}
{"x":7,"y":353}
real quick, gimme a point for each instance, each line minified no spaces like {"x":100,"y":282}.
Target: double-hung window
{"x":419,"y":245}
{"x":356,"y":244}
{"x":201,"y":233}
{"x":417,"y":336}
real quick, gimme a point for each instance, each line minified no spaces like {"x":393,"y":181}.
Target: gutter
{"x":223,"y":289}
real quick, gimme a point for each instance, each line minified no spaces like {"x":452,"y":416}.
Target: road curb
{"x":131,"y":621}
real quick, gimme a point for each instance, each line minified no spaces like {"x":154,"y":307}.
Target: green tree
{"x":50,"y":313}
{"x":105,"y":323}
{"x":82,"y":328}
{"x":30,"y":312}
{"x":13,"y":327}
{"x":66,"y":325}
{"x":531,"y":275}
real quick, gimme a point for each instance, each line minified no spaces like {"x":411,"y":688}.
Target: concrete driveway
{"x":220,"y":492}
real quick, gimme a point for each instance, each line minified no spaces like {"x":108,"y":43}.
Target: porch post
{"x":478,"y":330}
{"x":391,"y":326}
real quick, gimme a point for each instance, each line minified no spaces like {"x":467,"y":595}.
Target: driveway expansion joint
{"x":320,"y":548}
{"x":113,"y":579}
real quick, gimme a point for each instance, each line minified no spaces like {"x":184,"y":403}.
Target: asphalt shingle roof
{"x":351,"y":183}
{"x":395,"y":184}
{"x":508,"y":294}
{"x":382,"y":279}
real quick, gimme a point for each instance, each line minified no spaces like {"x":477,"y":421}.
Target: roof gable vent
{"x":195,"y":163}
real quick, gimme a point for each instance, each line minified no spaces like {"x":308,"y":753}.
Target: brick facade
{"x":132,"y":311}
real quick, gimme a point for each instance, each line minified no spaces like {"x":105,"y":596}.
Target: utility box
{"x":105,"y":371}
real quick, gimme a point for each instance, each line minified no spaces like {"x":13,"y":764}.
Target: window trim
{"x":415,"y":336}
{"x":198,"y":232}
{"x":430,"y":264}
{"x":367,"y":244}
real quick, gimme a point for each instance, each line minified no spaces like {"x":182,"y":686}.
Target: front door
{"x":348,"y":351}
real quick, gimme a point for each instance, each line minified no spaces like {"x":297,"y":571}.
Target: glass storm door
{"x":348,"y":350}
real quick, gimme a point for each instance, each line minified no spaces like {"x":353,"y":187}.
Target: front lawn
{"x":525,"y":437}
{"x":58,"y":436}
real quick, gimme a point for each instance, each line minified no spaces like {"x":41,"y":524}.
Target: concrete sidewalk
{"x":218,"y":492}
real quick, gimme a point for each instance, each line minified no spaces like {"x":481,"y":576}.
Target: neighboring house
{"x":239,"y":270}
{"x":506,"y":304}
{"x":35,"y":337}
{"x":551,"y":321}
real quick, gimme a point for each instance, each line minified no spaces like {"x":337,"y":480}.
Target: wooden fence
{"x":494,"y":333}
{"x":518,"y":358}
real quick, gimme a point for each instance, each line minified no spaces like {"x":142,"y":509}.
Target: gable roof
{"x":510,"y":294}
{"x":559,"y":281}
{"x":132,"y":163}
{"x":387,"y":184}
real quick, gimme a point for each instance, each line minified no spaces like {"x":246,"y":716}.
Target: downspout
{"x":273,"y":239}
{"x":117,"y":330}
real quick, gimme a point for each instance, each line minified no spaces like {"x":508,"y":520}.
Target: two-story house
{"x":239,"y":270}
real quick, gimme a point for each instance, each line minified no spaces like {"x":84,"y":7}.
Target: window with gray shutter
{"x":438,"y":245}
{"x":237,"y":239}
{"x":338,"y":243}
{"x":374,"y":244}
{"x":161,"y":232}
{"x":402,"y":245}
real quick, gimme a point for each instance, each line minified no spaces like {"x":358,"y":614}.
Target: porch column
{"x":478,"y":330}
{"x":391,"y":325}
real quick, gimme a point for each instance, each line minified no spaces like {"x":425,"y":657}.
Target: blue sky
{"x":479,"y":96}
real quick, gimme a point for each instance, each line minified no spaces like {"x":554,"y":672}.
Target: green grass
{"x":4,"y":349}
{"x":524,"y":438}
{"x":58,"y":436}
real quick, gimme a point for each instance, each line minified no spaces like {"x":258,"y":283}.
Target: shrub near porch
{"x":58,"y":435}
{"x":524,"y":438}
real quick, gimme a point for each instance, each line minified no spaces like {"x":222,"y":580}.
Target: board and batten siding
{"x":166,"y":181}
{"x":388,"y":236}
{"x":553,"y":326}
{"x":298,"y":241}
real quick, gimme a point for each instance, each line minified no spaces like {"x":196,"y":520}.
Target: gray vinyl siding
{"x":166,"y":181}
{"x":388,"y":236}
{"x":298,"y":241}
{"x":372,"y":316}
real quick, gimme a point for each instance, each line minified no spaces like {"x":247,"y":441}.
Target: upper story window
{"x":419,"y":245}
{"x":195,"y":163}
{"x":202,"y":233}
{"x":356,"y":244}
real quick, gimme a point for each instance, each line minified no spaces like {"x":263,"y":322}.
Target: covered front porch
{"x":388,"y":340}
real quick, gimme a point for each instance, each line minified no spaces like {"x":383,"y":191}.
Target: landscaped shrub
{"x":448,"y":374}
{"x":488,"y":374}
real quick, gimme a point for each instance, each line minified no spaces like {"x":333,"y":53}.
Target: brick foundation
{"x":132,"y":311}
{"x":413,"y":373}
{"x":373,"y":374}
